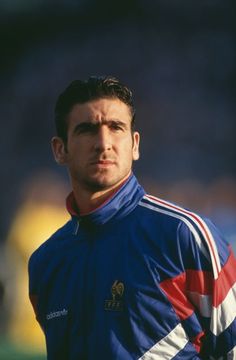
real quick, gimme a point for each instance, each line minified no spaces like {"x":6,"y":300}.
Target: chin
{"x":102,"y":183}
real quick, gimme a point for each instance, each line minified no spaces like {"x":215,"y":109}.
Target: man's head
{"x":80,"y":92}
{"x":95,"y":133}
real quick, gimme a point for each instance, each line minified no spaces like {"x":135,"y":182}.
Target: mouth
{"x":103,"y":163}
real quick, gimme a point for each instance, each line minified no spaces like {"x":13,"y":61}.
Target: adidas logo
{"x":56,"y":314}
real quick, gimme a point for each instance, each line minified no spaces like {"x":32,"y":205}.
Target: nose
{"x":103,"y":139}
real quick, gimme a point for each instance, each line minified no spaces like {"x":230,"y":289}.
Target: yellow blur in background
{"x":40,"y":215}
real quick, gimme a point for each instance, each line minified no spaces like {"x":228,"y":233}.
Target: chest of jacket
{"x":105,"y":281}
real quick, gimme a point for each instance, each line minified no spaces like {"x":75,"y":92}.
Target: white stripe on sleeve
{"x":169,"y":346}
{"x":202,"y":302}
{"x":224,"y":314}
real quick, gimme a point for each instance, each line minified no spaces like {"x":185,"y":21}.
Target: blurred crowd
{"x":40,"y":213}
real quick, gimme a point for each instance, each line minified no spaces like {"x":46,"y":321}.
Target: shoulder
{"x":184,"y":219}
{"x":192,"y":229}
{"x":171,"y":214}
{"x":188,"y":224}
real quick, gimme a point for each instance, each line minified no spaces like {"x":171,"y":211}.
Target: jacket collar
{"x":121,"y":203}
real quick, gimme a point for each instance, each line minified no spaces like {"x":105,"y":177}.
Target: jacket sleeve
{"x":204,"y":294}
{"x":213,"y":291}
{"x":222,"y":331}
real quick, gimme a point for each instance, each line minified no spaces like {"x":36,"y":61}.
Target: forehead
{"x":100,"y":109}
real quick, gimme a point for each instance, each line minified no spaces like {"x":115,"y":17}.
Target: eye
{"x":116,"y":126}
{"x":86,"y":128}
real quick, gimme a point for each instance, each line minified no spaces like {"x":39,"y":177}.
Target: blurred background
{"x":179,"y":57}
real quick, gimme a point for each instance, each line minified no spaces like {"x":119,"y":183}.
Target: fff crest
{"x":116,"y":303}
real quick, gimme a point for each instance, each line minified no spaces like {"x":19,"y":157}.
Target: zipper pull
{"x":76,"y":228}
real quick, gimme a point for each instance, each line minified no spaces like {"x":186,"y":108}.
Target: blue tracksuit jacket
{"x":138,"y":278}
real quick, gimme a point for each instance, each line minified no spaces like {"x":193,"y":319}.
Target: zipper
{"x":76,"y":228}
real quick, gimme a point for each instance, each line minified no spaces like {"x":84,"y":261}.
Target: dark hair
{"x":80,"y":92}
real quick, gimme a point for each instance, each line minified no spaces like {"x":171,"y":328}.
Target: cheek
{"x":126,"y":151}
{"x":78,"y":147}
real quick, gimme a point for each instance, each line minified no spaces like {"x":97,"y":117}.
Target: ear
{"x":136,"y":139}
{"x":59,"y":150}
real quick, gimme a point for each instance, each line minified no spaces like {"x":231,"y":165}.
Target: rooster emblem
{"x":116,"y":303}
{"x":117,"y":290}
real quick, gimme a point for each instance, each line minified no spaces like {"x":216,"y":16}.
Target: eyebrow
{"x":95,"y":123}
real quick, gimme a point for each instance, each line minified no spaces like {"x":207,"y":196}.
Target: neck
{"x":88,"y":200}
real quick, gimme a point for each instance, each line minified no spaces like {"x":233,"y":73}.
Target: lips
{"x":103,"y":162}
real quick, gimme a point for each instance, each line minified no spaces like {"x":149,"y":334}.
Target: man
{"x":130,"y":276}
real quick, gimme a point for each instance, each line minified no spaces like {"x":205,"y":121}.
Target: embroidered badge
{"x":116,"y":303}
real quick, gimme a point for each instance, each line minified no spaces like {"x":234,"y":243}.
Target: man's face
{"x":100,"y":145}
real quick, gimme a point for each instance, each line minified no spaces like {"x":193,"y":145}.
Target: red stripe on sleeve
{"x":200,"y":282}
{"x":175,"y":291}
{"x":197,"y":341}
{"x":225,"y":281}
{"x":197,"y":281}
